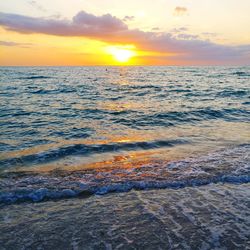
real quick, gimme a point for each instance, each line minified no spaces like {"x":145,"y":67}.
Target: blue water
{"x":100,"y":127}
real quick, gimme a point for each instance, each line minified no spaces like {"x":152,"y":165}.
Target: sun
{"x":121,"y":55}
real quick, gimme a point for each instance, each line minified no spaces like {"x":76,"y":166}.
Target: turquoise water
{"x":70,"y":131}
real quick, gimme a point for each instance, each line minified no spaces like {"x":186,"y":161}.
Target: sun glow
{"x":121,"y":54}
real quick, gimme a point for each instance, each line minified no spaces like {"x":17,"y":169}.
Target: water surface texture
{"x":77,"y":131}
{"x":124,"y":158}
{"x":208,"y":217}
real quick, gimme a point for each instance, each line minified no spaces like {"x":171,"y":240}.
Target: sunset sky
{"x":131,"y":32}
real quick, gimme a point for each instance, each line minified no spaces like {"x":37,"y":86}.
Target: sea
{"x":107,"y":150}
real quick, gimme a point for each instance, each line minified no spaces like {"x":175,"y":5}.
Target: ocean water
{"x":77,"y":131}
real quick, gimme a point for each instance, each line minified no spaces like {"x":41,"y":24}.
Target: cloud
{"x":14,"y":44}
{"x":128,"y":18}
{"x":110,"y":29}
{"x":187,"y":36}
{"x":82,"y":24}
{"x":209,"y":34}
{"x":4,"y":43}
{"x":37,"y":6}
{"x":155,"y":29}
{"x":178,"y":30}
{"x":180,"y":11}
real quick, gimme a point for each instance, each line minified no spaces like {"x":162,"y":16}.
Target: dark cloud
{"x":180,"y":11}
{"x":110,"y":29}
{"x":155,"y":29}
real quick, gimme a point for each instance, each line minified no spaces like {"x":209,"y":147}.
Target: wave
{"x":34,"y":77}
{"x":44,"y":194}
{"x":225,"y":166}
{"x":241,"y":73}
{"x":232,"y":92}
{"x":53,"y":91}
{"x":174,"y":118}
{"x":86,"y":150}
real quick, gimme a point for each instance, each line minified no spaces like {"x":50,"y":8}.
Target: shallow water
{"x":70,"y":131}
{"x":208,"y":217}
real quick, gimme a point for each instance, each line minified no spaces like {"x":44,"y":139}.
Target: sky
{"x":131,"y":32}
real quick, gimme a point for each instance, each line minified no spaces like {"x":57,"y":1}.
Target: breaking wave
{"x":225,"y":166}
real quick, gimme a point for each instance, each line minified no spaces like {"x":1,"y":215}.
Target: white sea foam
{"x":226,"y":166}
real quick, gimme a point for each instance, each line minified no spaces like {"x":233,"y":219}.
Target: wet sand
{"x":213,"y":216}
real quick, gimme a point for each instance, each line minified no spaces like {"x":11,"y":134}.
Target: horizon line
{"x":139,"y":65}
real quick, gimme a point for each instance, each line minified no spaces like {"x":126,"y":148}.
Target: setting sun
{"x":121,"y":55}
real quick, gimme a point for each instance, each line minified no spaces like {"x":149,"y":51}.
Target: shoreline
{"x":225,"y":166}
{"x":214,"y":216}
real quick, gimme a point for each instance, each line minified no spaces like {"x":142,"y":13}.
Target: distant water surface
{"x":67,"y":131}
